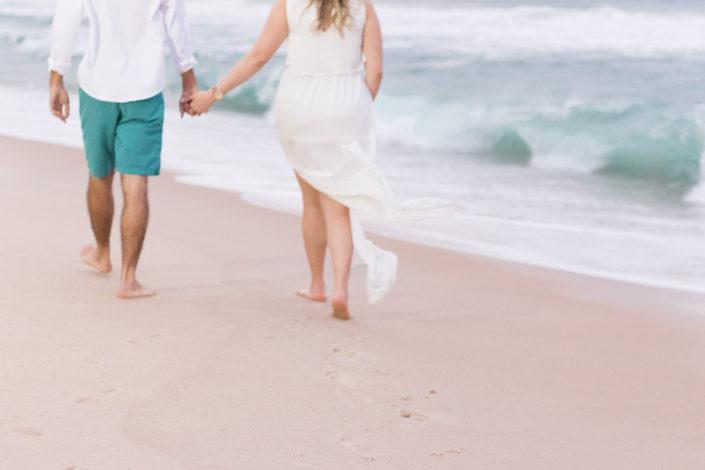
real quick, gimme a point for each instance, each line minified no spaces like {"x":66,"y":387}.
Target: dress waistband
{"x":291,"y":71}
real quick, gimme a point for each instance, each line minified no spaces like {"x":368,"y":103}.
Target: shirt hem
{"x":121,"y":98}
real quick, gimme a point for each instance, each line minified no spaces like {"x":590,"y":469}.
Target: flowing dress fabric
{"x":325,"y":122}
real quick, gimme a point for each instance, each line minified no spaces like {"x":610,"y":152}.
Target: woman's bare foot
{"x":340,"y":307}
{"x":312,"y":295}
{"x":135,"y":291}
{"x":90,"y":256}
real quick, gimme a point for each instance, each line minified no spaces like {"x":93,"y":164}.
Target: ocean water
{"x":570,"y":132}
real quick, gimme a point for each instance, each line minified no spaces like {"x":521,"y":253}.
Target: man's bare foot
{"x":135,"y":291}
{"x":311,"y":295}
{"x":340,"y":307}
{"x":89,"y":255}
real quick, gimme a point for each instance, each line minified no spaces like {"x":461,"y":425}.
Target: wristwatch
{"x":218,"y":93}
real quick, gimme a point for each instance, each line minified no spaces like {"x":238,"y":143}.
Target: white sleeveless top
{"x":320,"y":53}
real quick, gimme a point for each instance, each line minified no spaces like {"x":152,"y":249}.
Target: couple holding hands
{"x":324,"y":118}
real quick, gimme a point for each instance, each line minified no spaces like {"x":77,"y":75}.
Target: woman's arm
{"x":372,"y":48}
{"x":273,"y":35}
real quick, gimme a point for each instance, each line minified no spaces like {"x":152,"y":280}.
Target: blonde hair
{"x":332,"y":13}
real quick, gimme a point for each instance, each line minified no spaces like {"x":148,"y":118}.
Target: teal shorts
{"x":126,"y":137}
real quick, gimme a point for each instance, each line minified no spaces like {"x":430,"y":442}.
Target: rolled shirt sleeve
{"x":178,"y":36}
{"x":67,"y":21}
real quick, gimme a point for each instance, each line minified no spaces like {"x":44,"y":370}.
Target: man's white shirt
{"x":124,"y":60}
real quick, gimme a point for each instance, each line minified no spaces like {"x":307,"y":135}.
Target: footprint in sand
{"x":345,"y":352}
{"x":14,"y":425}
{"x":415,"y":415}
{"x":120,"y":393}
{"x":154,"y":337}
{"x":357,"y":448}
{"x":348,"y":390}
{"x":387,"y":373}
{"x":165,"y":338}
{"x":447,"y":452}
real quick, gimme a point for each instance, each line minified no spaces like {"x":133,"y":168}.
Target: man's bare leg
{"x":101,"y":208}
{"x":133,"y":226}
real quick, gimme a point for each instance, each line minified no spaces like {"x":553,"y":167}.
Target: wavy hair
{"x":335,"y":13}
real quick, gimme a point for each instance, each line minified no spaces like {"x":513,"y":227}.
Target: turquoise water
{"x":604,"y":105}
{"x":571,"y":132}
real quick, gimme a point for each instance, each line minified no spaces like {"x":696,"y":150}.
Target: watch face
{"x":218,"y":93}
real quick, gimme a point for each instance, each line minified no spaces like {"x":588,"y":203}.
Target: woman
{"x":325,"y":122}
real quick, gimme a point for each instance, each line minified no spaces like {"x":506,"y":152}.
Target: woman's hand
{"x":201,"y":102}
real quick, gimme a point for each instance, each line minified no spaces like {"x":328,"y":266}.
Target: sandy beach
{"x":470,"y":363}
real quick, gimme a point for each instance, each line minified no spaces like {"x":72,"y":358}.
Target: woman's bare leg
{"x":315,"y":240}
{"x":340,"y":242}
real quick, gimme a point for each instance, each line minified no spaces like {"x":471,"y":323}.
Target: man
{"x":121,"y":79}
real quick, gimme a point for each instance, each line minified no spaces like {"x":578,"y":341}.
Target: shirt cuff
{"x":185,"y":65}
{"x":59,"y":67}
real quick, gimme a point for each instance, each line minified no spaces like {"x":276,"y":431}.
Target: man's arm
{"x":67,"y":21}
{"x":178,"y":38}
{"x":58,"y":97}
{"x":190,"y":88}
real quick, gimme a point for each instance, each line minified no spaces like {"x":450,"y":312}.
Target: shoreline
{"x":417,"y":235}
{"x":470,"y":362}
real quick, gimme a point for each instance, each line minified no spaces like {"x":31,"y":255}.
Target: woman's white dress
{"x":325,"y":121}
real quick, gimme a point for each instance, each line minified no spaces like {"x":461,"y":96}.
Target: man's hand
{"x":58,"y":97}
{"x":186,"y":96}
{"x":190,"y":88}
